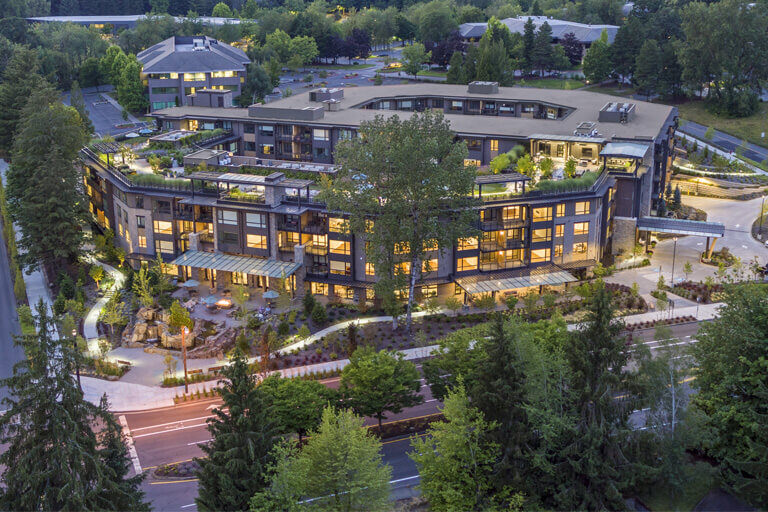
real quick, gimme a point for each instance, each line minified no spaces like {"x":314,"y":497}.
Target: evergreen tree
{"x":456,"y":69}
{"x":497,"y":389}
{"x":529,"y":44}
{"x":19,"y":80}
{"x":597,"y":60}
{"x":53,"y":460}
{"x":77,"y":101}
{"x":677,"y":199}
{"x":243,"y":434}
{"x":493,"y":64}
{"x":592,"y":472}
{"x":647,"y":68}
{"x":543,"y":54}
{"x":626,"y":45}
{"x":44,"y":184}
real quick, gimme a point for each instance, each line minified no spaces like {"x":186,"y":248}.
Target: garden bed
{"x":653,"y":323}
{"x":699,"y":292}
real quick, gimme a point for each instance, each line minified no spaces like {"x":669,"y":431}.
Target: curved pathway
{"x":90,"y":329}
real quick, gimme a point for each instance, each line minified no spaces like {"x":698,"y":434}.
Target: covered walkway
{"x":711,"y":230}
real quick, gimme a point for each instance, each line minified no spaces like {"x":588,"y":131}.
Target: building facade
{"x":177,"y":68}
{"x":246,"y":212}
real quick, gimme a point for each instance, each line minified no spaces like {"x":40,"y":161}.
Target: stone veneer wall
{"x":624,"y":234}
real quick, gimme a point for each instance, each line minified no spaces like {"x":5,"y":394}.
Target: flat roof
{"x":584,"y":105}
{"x":231,"y":263}
{"x":248,"y":179}
{"x":481,"y":284}
{"x":485,"y":179}
{"x":681,"y":226}
{"x":625,"y":149}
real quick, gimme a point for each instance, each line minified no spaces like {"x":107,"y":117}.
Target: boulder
{"x":140,"y":332}
{"x":145,"y":314}
{"x":215,"y":346}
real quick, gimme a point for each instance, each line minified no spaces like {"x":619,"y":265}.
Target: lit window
{"x":494,"y":145}
{"x":370,"y":269}
{"x":582,"y":207}
{"x":320,"y":134}
{"x":370,"y":293}
{"x":256,"y":241}
{"x":539,"y":255}
{"x":163,"y":227}
{"x":402,"y":248}
{"x":336,"y":225}
{"x":471,"y":161}
{"x":580,"y":248}
{"x":429,"y":265}
{"x":558,"y":250}
{"x":319,"y":288}
{"x":341,"y":268}
{"x":581,"y":228}
{"x":140,"y":222}
{"x":560,"y":210}
{"x":339,"y":247}
{"x":429,"y":291}
{"x":466,"y":244}
{"x":464,"y":264}
{"x":403,"y":268}
{"x":559,"y":229}
{"x":430,"y":245}
{"x":194,"y":77}
{"x":541,"y":214}
{"x":267,"y":149}
{"x":541,"y":235}
{"x":142,"y":241}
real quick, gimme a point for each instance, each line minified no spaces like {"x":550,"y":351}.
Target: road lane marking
{"x":167,"y":464}
{"x":200,"y":442}
{"x":190,"y":505}
{"x":170,"y":430}
{"x":173,"y":423}
{"x":173,"y":481}
{"x":403,"y":479}
{"x":131,"y":447}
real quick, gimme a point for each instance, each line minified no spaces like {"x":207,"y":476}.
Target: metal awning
{"x":681,"y":227}
{"x":625,"y":150}
{"x":567,"y":138}
{"x":473,"y":285}
{"x":231,"y":263}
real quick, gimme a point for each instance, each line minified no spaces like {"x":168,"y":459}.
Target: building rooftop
{"x":583,"y":32}
{"x":646,"y":124}
{"x":192,"y":54}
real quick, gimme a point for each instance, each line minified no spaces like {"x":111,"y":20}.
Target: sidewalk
{"x":725,"y":144}
{"x":90,"y":329}
{"x":131,"y":396}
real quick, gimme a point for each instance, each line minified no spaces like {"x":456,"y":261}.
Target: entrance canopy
{"x":478,"y":284}
{"x":625,"y":150}
{"x":681,"y":227}
{"x":229,"y":263}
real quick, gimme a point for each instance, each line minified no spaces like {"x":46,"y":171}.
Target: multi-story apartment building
{"x":249,"y":215}
{"x":175,"y":69}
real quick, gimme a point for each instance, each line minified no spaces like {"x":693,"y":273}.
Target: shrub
{"x":319,"y":315}
{"x":292,"y":317}
{"x":309,"y":303}
{"x":59,"y":305}
{"x":283,"y":329}
{"x":303,"y":332}
{"x":511,"y":302}
{"x":66,"y":286}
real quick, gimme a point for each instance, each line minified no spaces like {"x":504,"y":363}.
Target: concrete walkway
{"x":90,"y":328}
{"x":132,"y":396}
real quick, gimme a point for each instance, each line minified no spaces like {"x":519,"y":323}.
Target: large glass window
{"x":320,"y":134}
{"x":255,"y":220}
{"x":266,"y":130}
{"x":466,"y":244}
{"x":194,"y":77}
{"x":336,"y":225}
{"x":256,"y":241}
{"x":464,"y":264}
{"x":581,"y":228}
{"x":582,"y":207}
{"x":339,"y":247}
{"x":163,"y":247}
{"x":341,"y":268}
{"x":227,"y":217}
{"x":541,"y":235}
{"x":539,"y":255}
{"x":370,"y":269}
{"x":163,"y":227}
{"x":226,"y":237}
{"x":429,"y":265}
{"x":580,"y":248}
{"x":542,"y":214}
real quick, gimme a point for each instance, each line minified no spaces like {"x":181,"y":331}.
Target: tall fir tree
{"x":592,"y":471}
{"x":497,"y":389}
{"x":529,"y":45}
{"x":243,"y":433}
{"x":456,"y":69}
{"x":647,"y":68}
{"x":19,"y":80}
{"x":53,"y":459}
{"x":45,"y":192}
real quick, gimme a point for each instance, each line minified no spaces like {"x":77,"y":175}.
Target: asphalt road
{"x":172,"y":434}
{"x":10,"y":354}
{"x":725,"y":141}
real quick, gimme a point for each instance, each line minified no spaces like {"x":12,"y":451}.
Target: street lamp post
{"x":674,"y":256}
{"x":77,"y":361}
{"x":762,"y":214}
{"x":184,"y":331}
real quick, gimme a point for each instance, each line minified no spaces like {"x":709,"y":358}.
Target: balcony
{"x":515,"y":243}
{"x":316,"y":249}
{"x":491,"y":246}
{"x":508,"y":223}
{"x":318,"y":270}
{"x":183,"y":212}
{"x":287,"y":225}
{"x":236,"y":196}
{"x":316,"y":227}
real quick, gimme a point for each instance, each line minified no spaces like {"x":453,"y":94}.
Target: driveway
{"x":737,"y":216}
{"x":105,"y":113}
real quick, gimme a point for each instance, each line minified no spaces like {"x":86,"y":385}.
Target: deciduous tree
{"x":297,"y":404}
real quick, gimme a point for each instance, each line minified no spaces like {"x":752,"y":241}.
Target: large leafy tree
{"x":648,"y":67}
{"x":339,"y":469}
{"x":456,"y":459}
{"x":732,"y":379}
{"x":243,"y":432}
{"x":44,"y":184}
{"x":408,"y":177}
{"x":19,"y":80}
{"x":130,"y":88}
{"x":413,"y":58}
{"x":376,"y":382}
{"x":53,"y":459}
{"x":297,"y":404}
{"x":572,"y":48}
{"x":592,"y":470}
{"x":626,"y":46}
{"x":597,"y":60}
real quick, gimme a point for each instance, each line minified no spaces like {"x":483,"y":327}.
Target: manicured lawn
{"x":615,"y":90}
{"x":431,"y":72}
{"x":552,"y":83}
{"x":748,"y":128}
{"x":342,"y":66}
{"x":700,"y":479}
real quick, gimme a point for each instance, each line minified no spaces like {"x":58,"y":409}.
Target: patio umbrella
{"x":210,"y":300}
{"x":270,"y":294}
{"x":190,"y":283}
